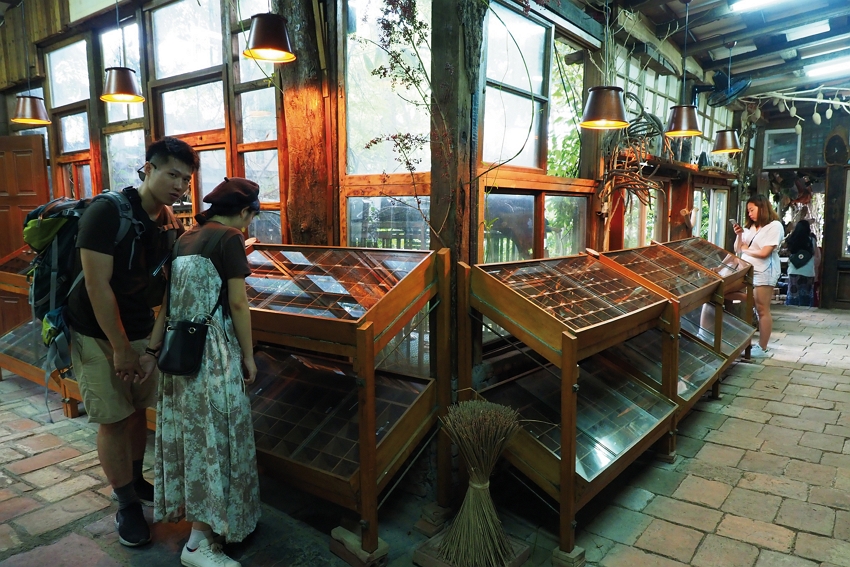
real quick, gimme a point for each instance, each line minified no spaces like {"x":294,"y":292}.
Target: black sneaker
{"x":144,"y":490}
{"x":133,"y":529}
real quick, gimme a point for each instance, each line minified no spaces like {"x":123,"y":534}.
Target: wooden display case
{"x":14,"y":289}
{"x":623,"y":368}
{"x":327,"y":420}
{"x":584,"y":420}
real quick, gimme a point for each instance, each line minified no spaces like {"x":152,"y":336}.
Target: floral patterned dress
{"x":205,"y":456}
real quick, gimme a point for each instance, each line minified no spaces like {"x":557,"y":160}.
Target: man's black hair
{"x":167,"y":147}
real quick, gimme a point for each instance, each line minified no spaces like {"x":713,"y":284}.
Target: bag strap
{"x":207,"y":250}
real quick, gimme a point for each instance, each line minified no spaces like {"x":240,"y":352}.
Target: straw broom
{"x":480,"y":430}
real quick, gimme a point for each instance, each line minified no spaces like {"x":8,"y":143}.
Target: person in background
{"x":801,"y":278}
{"x":111,"y":317}
{"x":758,"y":243}
{"x":206,"y":469}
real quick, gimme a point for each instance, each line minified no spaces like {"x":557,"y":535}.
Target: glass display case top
{"x":24,"y":343}
{"x":663,"y":268}
{"x":735,"y":332}
{"x":579,"y":291}
{"x":614,"y":412}
{"x":709,"y":255}
{"x":19,"y":264}
{"x":697,"y":364}
{"x":305,"y":409}
{"x":334,"y":283}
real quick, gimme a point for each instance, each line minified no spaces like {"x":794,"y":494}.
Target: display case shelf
{"x":729,"y":267}
{"x":327,"y":417}
{"x":698,"y":364}
{"x":735,"y":335}
{"x":14,"y":269}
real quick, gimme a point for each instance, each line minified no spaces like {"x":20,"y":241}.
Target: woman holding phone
{"x":757,"y":242}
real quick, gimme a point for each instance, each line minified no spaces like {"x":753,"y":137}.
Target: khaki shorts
{"x":108,"y":398}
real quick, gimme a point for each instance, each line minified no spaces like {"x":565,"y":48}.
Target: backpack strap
{"x":127,"y":220}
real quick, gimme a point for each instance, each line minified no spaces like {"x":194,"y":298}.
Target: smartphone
{"x":734,"y":222}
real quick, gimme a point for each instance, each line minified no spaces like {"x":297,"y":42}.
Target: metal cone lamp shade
{"x":121,"y":86}
{"x":268,"y":39}
{"x":604,"y":109}
{"x":726,"y":142}
{"x":30,"y":110}
{"x":683,"y":121}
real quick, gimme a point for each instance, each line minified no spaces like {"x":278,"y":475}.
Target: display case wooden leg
{"x":432,"y":519}
{"x":70,"y":406}
{"x":347,"y":546}
{"x":665,"y":448}
{"x":365,"y":367}
{"x":715,"y":390}
{"x":574,"y":558}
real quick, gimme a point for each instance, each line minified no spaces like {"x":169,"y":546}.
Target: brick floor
{"x":762,"y":479}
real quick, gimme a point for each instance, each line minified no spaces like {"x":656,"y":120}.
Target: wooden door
{"x":23,"y":186}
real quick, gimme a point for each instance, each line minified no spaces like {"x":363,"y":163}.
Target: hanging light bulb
{"x":816,"y":118}
{"x":683,"y":117}
{"x":605,"y":109}
{"x":29,"y":109}
{"x":268,"y":39}
{"x":793,"y":110}
{"x":120,"y":84}
{"x":781,"y":106}
{"x":798,"y":128}
{"x":828,"y":113}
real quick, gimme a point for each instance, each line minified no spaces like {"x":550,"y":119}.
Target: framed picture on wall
{"x":781,"y":148}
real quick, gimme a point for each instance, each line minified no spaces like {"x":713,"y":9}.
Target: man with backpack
{"x":110,"y":315}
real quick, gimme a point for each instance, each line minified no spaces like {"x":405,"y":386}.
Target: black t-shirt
{"x":135,"y":287}
{"x":228,"y":256}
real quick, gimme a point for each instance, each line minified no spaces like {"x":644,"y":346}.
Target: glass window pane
{"x":193,"y":109}
{"x":508,"y":227}
{"x":182,"y":48}
{"x":68,"y":72}
{"x":125,"y":154}
{"x":389,"y":222}
{"x":565,"y":112}
{"x":566,"y":229}
{"x":75,"y":132}
{"x":632,"y":224}
{"x":85,"y":179}
{"x":506,"y":129}
{"x":259,"y":115}
{"x":212,"y":172}
{"x":366,"y":120}
{"x":521,"y":68}
{"x":718,"y":220}
{"x":113,"y":56}
{"x":266,"y":227}
{"x":251,"y":69}
{"x":261,"y":167}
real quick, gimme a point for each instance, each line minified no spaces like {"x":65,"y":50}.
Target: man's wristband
{"x":152,"y":352}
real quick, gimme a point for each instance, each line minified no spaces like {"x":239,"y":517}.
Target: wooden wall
{"x":44,"y":18}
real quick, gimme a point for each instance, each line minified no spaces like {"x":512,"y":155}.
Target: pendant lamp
{"x":29,"y":109}
{"x":726,"y":141}
{"x":604,"y":109}
{"x":683,"y":117}
{"x":268,"y":39}
{"x":120,"y":84}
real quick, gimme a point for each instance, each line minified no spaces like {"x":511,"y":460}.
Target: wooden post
{"x":569,"y":409}
{"x":307,"y":176}
{"x":365,"y":368}
{"x":444,"y":374}
{"x":464,"y":325}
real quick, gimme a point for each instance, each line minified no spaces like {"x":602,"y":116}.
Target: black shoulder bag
{"x":184,"y":341}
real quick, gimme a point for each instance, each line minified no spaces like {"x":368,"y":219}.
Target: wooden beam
{"x":780,"y":25}
{"x":706,"y":17}
{"x":635,"y":27}
{"x":779,"y":47}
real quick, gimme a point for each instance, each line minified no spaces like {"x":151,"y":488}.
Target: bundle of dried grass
{"x":480,"y":430}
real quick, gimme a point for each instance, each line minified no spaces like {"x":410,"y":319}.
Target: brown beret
{"x":235,"y":192}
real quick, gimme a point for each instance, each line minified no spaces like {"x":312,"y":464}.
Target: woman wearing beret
{"x":206,"y":469}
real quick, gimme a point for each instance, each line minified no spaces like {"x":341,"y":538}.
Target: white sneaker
{"x":207,"y":555}
{"x":757,"y":352}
